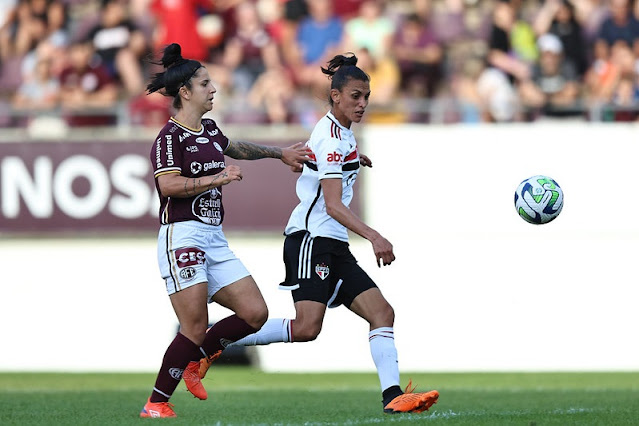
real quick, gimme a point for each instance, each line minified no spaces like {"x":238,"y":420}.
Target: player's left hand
{"x":365,"y":161}
{"x":296,"y":155}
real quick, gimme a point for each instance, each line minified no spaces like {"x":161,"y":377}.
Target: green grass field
{"x":242,"y":396}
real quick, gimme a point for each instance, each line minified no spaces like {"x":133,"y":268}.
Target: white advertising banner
{"x":474,"y":287}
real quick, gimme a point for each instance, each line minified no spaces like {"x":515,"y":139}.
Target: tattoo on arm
{"x":250,"y":151}
{"x":191,"y":190}
{"x":216,"y":177}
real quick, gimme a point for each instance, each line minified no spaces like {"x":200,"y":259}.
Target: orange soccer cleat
{"x":192,"y":380}
{"x":205,"y":363}
{"x":410,"y":402}
{"x":157,"y":409}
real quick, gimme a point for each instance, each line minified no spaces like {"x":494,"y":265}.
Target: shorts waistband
{"x":194,"y":224}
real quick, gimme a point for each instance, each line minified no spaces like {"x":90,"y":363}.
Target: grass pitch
{"x":244,"y":396}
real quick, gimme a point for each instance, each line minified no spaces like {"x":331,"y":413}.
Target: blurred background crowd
{"x":87,"y":62}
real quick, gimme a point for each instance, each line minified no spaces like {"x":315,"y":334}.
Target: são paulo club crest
{"x":322,"y":270}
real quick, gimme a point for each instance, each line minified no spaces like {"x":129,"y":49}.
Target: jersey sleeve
{"x":329,"y":155}
{"x":216,"y":133}
{"x":166,"y":155}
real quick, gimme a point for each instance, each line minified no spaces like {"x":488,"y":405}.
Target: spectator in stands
{"x":370,"y":29}
{"x":319,"y":36}
{"x":41,"y":91}
{"x":419,"y":55}
{"x":88,"y":91}
{"x":252,"y":57}
{"x":385,"y":78}
{"x":512,"y":58}
{"x":620,"y":26}
{"x":625,"y":99}
{"x":273,"y":92}
{"x":590,"y":14}
{"x":250,"y":51}
{"x":5,"y":10}
{"x":604,"y":73}
{"x":447,"y":21}
{"x":464,"y":89}
{"x":553,"y":88}
{"x":558,"y":17}
{"x":29,"y":22}
{"x":498,"y":100}
{"x":120,"y":45}
{"x":176,"y":22}
{"x":347,"y":9}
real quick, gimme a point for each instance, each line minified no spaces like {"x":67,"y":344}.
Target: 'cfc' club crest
{"x":322,"y":270}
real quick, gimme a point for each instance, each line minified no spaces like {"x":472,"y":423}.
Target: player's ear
{"x":335,"y":96}
{"x":185,"y":93}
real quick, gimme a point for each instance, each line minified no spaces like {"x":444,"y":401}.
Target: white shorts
{"x":191,"y":252}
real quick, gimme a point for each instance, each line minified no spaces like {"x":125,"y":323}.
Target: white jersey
{"x":334,"y":157}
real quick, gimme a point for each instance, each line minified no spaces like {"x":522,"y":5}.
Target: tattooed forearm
{"x":213,"y":183}
{"x":250,"y":151}
{"x":194,"y":186}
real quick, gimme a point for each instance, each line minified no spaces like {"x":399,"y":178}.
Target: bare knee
{"x":305,"y":332}
{"x":384,"y":316}
{"x":255,"y":316}
{"x":195,"y":331}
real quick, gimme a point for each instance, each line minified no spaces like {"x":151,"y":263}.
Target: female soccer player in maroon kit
{"x":195,"y":261}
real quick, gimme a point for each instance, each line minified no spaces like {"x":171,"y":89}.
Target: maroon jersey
{"x":192,"y":154}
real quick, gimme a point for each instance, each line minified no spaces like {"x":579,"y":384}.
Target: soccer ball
{"x":539,"y":199}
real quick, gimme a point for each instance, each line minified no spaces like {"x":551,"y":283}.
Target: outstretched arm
{"x":295,"y":155}
{"x":332,"y":189}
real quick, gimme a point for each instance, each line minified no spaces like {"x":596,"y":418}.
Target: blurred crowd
{"x":430,"y":61}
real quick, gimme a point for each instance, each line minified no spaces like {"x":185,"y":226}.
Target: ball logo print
{"x":539,"y":199}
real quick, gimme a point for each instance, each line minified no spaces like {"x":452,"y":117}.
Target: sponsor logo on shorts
{"x":189,"y":256}
{"x":322,"y":271}
{"x":202,"y":140}
{"x":225,"y":342}
{"x":187,"y":273}
{"x":176,"y":373}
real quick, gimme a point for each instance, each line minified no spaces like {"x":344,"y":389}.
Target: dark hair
{"x":341,"y":69}
{"x":177,"y":73}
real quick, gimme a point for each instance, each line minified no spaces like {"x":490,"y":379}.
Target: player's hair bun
{"x":178,"y":72}
{"x":172,"y":56}
{"x":338,"y":62}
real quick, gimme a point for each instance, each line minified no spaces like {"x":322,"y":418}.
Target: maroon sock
{"x":178,"y":355}
{"x":226,"y":331}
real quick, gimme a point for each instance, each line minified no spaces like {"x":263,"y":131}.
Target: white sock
{"x":384,"y":354}
{"x":273,"y":331}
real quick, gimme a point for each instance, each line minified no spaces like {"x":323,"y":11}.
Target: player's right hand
{"x":383,"y":251}
{"x":230,"y":173}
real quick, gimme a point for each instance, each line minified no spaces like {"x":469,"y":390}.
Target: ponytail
{"x":177,"y":73}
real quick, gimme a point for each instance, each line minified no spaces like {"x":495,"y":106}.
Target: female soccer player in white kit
{"x":320,"y":269}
